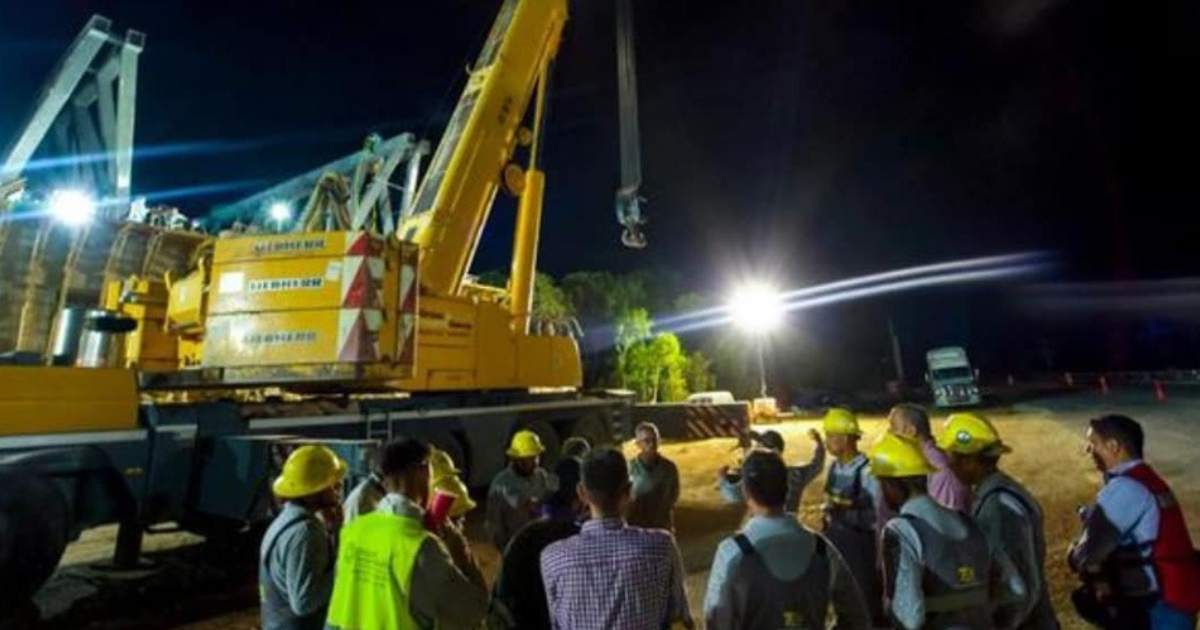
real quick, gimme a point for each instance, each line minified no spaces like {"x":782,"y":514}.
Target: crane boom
{"x":456,"y":196}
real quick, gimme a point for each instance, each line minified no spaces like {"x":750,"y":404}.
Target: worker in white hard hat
{"x":1008,"y":513}
{"x":851,"y":494}
{"x":941,"y":570}
{"x":517,"y":492}
{"x":296,"y":558}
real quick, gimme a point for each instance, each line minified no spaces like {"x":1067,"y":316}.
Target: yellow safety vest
{"x":374,"y":572}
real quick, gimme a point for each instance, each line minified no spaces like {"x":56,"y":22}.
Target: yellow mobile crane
{"x":299,"y":307}
{"x":349,"y":335}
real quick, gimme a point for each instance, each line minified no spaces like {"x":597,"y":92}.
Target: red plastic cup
{"x":439,"y":511}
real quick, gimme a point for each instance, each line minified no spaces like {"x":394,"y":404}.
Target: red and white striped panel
{"x":406,"y":309}
{"x":363,"y":244}
{"x":358,"y":334}
{"x":362,"y":281}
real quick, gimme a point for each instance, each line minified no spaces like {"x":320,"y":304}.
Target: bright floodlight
{"x":280,"y":211}
{"x":756,"y":308}
{"x":72,"y":207}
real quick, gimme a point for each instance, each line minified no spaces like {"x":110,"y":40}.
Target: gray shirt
{"x":787,"y":548}
{"x":363,"y":499}
{"x":1015,"y":525}
{"x":908,"y":598}
{"x":511,"y":499}
{"x":301,"y":562}
{"x":655,"y":491}
{"x":441,"y":591}
{"x":798,"y":478}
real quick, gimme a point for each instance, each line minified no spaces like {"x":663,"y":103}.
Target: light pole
{"x":757,"y":309}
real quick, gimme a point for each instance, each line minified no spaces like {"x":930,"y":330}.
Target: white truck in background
{"x":951,"y":379}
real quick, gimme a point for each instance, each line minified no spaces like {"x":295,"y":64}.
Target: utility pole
{"x":762,"y":368}
{"x":896,"y":359}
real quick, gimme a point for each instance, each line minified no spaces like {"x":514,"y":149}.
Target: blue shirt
{"x":1129,"y":509}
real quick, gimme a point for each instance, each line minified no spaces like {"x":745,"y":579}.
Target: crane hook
{"x":629,"y":215}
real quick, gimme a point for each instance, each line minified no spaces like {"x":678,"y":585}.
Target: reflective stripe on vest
{"x":1175,"y":561}
{"x":374,"y":572}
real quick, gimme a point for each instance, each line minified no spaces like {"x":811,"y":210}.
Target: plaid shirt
{"x":614,"y":576}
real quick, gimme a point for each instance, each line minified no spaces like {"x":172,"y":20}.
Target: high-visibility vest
{"x":375,"y":562}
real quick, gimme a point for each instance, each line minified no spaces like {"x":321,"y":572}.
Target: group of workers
{"x":924,"y":531}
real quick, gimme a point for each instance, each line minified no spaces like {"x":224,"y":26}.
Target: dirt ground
{"x":1047,"y":436}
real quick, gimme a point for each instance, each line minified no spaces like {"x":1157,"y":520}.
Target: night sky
{"x":805,"y":140}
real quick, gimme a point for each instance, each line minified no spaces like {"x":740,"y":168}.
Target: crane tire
{"x":34,"y":523}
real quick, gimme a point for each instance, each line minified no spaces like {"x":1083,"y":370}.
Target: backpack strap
{"x":744,"y":544}
{"x":1001,"y":489}
{"x":858,"y":471}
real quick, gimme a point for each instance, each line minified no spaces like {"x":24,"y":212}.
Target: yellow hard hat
{"x":525,"y":443}
{"x":968,"y":433}
{"x":441,"y":464}
{"x":895,"y":456}
{"x":839,"y":421}
{"x":454,"y":487}
{"x":309,"y":470}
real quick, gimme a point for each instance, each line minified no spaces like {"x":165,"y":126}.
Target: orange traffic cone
{"x":1159,"y":393}
{"x":1103,"y":385}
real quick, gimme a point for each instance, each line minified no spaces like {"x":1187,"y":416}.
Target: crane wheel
{"x":550,"y":441}
{"x":34,"y":519}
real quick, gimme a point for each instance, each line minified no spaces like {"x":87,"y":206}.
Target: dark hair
{"x":1123,"y":429}
{"x":765,"y":477}
{"x":917,"y":416}
{"x":567,"y":471}
{"x":604,"y":474}
{"x":770,"y":439}
{"x":401,"y":454}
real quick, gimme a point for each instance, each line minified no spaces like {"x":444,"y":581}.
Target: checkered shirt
{"x":612,"y":575}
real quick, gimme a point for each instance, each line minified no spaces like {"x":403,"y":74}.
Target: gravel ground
{"x":198,"y":587}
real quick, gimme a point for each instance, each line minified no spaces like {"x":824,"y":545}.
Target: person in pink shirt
{"x":910,"y":421}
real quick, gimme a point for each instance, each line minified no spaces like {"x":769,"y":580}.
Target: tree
{"x":699,"y":373}
{"x":632,"y":328}
{"x":655,"y":369}
{"x":550,"y":303}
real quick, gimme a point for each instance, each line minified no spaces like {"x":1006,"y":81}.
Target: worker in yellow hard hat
{"x":444,"y":479}
{"x":851,"y":494}
{"x":392,"y":572}
{"x":517,"y":492}
{"x":941,"y":571}
{"x":911,"y":421}
{"x":1008,"y":513}
{"x":296,"y":558}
